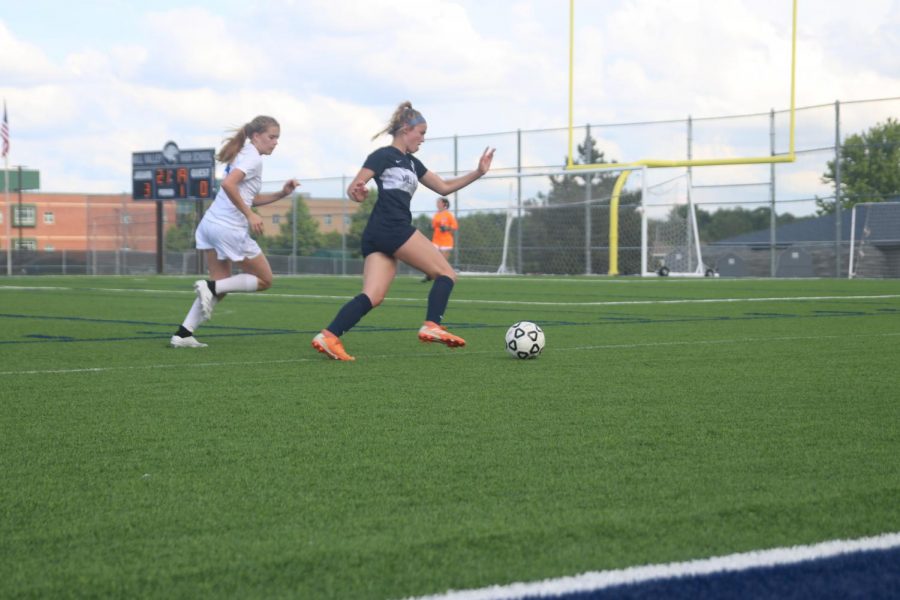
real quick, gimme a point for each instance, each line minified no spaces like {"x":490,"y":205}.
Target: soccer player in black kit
{"x":389,"y":235}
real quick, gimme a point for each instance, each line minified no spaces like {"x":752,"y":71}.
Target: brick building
{"x":56,"y":221}
{"x":52,"y":222}
{"x":329,"y":213}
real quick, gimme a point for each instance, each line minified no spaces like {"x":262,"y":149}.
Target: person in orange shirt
{"x":444,"y":224}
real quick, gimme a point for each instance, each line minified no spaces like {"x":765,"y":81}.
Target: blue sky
{"x":88,"y":83}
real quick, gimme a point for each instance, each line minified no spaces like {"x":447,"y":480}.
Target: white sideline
{"x":680,"y":301}
{"x":597,"y":580}
{"x":501,"y":302}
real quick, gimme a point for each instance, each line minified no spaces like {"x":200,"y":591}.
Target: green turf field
{"x":666,"y":420}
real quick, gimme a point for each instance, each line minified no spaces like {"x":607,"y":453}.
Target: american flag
{"x":5,"y":132}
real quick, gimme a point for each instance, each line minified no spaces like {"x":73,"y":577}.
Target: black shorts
{"x":385,"y":239}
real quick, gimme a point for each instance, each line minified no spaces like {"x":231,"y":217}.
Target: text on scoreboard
{"x":173,"y":174}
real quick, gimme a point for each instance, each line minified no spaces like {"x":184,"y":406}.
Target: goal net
{"x":875,"y":240}
{"x":579,"y":225}
{"x":670,"y":238}
{"x":563,"y":225}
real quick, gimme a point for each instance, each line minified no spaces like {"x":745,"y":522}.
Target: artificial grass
{"x":651,"y":431}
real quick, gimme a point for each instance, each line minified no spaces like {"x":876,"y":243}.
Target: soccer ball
{"x":525,"y":340}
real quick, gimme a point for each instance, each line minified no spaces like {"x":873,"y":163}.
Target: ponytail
{"x":232,"y":145}
{"x":404,"y":116}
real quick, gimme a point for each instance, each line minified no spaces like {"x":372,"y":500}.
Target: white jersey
{"x":223,"y":211}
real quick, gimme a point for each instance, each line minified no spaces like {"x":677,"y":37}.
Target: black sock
{"x":183,"y":332}
{"x":211,"y":285}
{"x":438,"y":298}
{"x":350,"y":314}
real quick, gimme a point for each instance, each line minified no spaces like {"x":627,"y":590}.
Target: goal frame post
{"x":651,"y":163}
{"x":853,"y":261}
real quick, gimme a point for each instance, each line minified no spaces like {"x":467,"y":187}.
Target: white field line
{"x":597,"y":580}
{"x":154,"y":367}
{"x":679,"y":301}
{"x":424,"y":355}
{"x":491,"y":277}
{"x":489,"y":302}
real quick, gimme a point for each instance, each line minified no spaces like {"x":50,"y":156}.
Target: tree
{"x":723,"y":224}
{"x":566,"y":189}
{"x":554,"y":231}
{"x":870,"y":167}
{"x":308,"y":236}
{"x":180,"y":236}
{"x":482,"y":240}
{"x":422,"y":222}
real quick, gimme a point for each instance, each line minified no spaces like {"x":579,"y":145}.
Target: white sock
{"x":194,"y":318}
{"x":245,"y":282}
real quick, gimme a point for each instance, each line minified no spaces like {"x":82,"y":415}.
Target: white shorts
{"x":230,"y":243}
{"x":442,"y":248}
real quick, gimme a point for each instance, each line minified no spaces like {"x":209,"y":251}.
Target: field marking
{"x":411,"y":355}
{"x":490,"y":277}
{"x":680,"y":301}
{"x":155,"y":366}
{"x":488,"y":302}
{"x":597,"y":580}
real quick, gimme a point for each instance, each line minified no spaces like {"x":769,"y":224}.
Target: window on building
{"x":326,"y":219}
{"x":24,"y":215}
{"x":347,"y":220}
{"x":49,"y":219}
{"x":49,"y":248}
{"x":276,"y":219}
{"x":24,"y":244}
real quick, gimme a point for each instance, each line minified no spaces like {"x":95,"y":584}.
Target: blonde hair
{"x":233,"y":144}
{"x":404,"y":116}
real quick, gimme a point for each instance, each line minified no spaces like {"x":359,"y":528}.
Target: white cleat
{"x":206,"y":298}
{"x":188,"y":342}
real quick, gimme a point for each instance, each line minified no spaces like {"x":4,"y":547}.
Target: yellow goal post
{"x":652,"y":163}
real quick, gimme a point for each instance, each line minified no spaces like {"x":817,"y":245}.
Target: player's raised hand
{"x":289,"y":186}
{"x":484,"y":164}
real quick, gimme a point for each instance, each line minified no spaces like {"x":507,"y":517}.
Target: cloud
{"x":22,"y":62}
{"x":187,"y":46}
{"x":129,"y":79}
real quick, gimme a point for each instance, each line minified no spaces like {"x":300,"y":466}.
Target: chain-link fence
{"x":528,"y":216}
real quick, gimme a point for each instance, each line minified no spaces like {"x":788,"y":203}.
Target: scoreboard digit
{"x":173,"y":174}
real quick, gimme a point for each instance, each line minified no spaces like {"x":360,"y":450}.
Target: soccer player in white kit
{"x":224,"y":232}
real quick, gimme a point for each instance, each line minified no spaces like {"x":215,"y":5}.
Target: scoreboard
{"x":173,"y":174}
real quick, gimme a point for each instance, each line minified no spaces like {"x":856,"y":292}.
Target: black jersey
{"x":397,"y":176}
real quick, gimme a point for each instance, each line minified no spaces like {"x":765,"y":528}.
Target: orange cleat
{"x":330,"y":345}
{"x":432,"y":332}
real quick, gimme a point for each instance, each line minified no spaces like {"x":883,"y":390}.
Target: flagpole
{"x":8,"y":220}
{"x":9,"y":215}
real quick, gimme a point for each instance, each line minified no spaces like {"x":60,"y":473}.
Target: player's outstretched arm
{"x":445,"y":187}
{"x":289,"y":186}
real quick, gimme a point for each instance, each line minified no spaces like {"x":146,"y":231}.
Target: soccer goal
{"x":648,"y":229}
{"x":566,"y":223}
{"x":670,"y":239}
{"x":875,"y":240}
{"x":505,"y":267}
